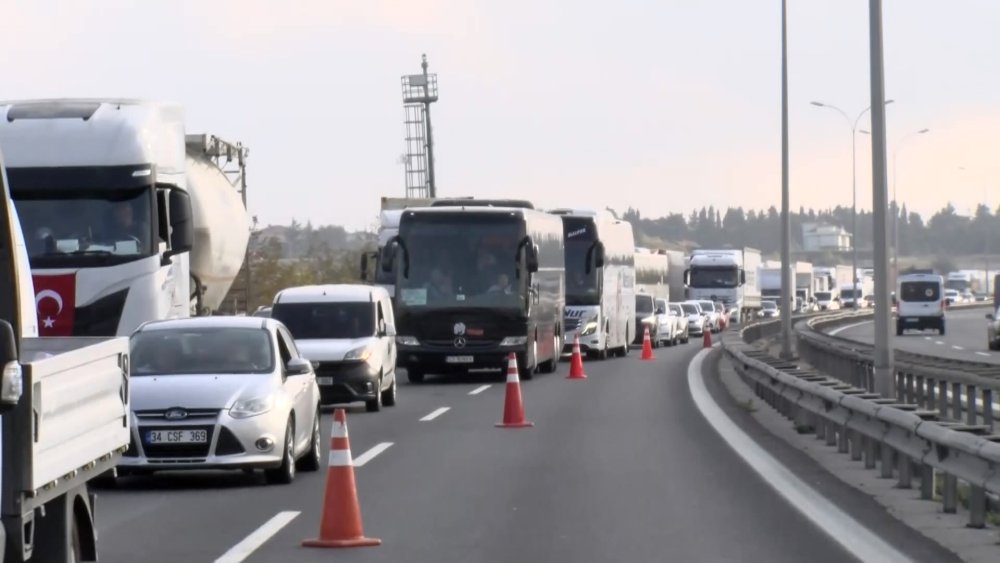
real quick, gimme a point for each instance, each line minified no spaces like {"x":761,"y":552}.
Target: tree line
{"x":945,"y":233}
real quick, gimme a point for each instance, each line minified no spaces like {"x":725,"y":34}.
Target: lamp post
{"x":895,"y":203}
{"x":787,"y":280}
{"x":854,"y":185}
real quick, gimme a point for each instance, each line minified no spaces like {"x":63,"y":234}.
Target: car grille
{"x":160,"y":414}
{"x":333,"y":369}
{"x":228,"y":444}
{"x":469,"y":344}
{"x":175,"y":451}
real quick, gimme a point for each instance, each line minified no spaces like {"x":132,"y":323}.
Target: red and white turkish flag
{"x":55,"y":301}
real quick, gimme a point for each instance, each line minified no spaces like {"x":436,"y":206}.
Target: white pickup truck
{"x":64,"y":416}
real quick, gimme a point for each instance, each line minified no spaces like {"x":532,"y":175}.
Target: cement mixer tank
{"x":216,"y":183}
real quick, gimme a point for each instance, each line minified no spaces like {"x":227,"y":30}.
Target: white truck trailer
{"x":127,"y":219}
{"x":64,"y":417}
{"x":729,"y":276}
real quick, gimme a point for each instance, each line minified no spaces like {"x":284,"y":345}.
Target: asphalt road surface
{"x":619,"y":467}
{"x":964,"y":337}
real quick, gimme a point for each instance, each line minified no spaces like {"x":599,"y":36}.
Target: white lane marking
{"x":958,"y":348}
{"x":939,"y":343}
{"x":983,"y":354}
{"x":927,"y":338}
{"x":838,"y":525}
{"x":370,"y":454}
{"x":479,"y":389}
{"x":435,"y":414}
{"x":840,"y":329}
{"x":245,"y":548}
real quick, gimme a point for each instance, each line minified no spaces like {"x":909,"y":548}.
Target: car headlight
{"x":359,"y":354}
{"x":247,"y":408}
{"x":407,"y":341}
{"x":514,"y":341}
{"x":649,"y":321}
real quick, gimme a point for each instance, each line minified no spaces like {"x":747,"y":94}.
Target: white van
{"x":920,"y":302}
{"x":349,"y":333}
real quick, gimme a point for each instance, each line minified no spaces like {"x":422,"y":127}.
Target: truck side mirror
{"x":11,"y":380}
{"x":743,"y":277}
{"x":364,"y":266}
{"x":181,"y":223}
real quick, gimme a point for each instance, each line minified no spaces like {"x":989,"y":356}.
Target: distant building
{"x":819,"y":237}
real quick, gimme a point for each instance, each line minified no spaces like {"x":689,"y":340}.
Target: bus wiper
{"x":79,"y":253}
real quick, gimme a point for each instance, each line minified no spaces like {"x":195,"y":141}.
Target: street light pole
{"x":885,"y":381}
{"x":787,"y":284}
{"x":854,"y":188}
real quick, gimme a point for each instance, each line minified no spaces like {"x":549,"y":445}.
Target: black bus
{"x":474,"y":284}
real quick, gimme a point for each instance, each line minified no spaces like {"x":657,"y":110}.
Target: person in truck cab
{"x":123,"y":225}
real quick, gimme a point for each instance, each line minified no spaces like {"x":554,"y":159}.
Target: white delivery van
{"x":920,"y":302}
{"x":348,"y":332}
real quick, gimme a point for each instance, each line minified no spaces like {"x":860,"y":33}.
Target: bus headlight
{"x":589,"y":328}
{"x":514,"y":341}
{"x":407,"y":341}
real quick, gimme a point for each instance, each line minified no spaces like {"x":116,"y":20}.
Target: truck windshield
{"x":208,"y":351}
{"x":822,"y":295}
{"x":643,"y":304}
{"x":848,"y":294}
{"x":715,"y":277}
{"x":581,"y":286}
{"x":461,"y":261}
{"x":919,"y":291}
{"x":326,"y":320}
{"x":57,"y":225}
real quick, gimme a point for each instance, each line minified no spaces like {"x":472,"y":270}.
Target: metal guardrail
{"x":909,"y":437}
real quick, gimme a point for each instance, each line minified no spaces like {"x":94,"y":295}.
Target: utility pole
{"x":787,"y":283}
{"x":885,"y":384}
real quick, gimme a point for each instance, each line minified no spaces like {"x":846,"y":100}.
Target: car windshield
{"x":326,"y":320}
{"x":822,"y":295}
{"x":919,"y":291}
{"x":707,"y":306}
{"x":676,"y":309}
{"x":769,"y":305}
{"x":643,"y":304}
{"x":848,"y":294}
{"x":690,"y":308}
{"x":112,"y":223}
{"x":207,"y":351}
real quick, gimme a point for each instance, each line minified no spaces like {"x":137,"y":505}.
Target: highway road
{"x":622,"y":466}
{"x":964,"y":337}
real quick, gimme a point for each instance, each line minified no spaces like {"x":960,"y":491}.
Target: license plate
{"x":324,"y":380}
{"x":911,"y":321}
{"x":459,"y":359}
{"x":176,"y":436}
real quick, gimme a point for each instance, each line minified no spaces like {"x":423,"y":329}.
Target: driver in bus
{"x":502,"y":285}
{"x":439,"y":288}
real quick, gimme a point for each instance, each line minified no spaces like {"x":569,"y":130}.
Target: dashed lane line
{"x":251,"y":543}
{"x":435,"y":414}
{"x":370,"y":454}
{"x":479,"y":389}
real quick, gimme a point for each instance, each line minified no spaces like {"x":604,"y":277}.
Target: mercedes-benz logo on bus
{"x":460,"y":342}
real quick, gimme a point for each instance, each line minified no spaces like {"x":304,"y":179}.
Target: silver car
{"x":222,"y":392}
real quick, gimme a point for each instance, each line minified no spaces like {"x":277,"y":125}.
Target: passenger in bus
{"x":502,"y":285}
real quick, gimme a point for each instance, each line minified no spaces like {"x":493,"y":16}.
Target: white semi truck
{"x":64,"y":417}
{"x":126,"y":217}
{"x":729,"y":276}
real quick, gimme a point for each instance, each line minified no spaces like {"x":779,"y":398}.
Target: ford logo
{"x":175,"y":414}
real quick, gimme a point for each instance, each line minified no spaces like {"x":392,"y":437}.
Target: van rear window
{"x":920,"y":291}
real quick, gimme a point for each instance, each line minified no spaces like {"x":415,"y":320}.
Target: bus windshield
{"x":581,"y":286}
{"x":461,"y":261}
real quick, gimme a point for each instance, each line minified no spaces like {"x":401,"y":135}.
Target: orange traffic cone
{"x":707,"y":339}
{"x":647,"y":347}
{"x":576,"y":364}
{"x":513,"y":408}
{"x":340,"y":525}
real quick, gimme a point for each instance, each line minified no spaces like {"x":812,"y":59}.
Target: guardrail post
{"x":943,"y":398}
{"x":926,"y":482}
{"x":950,"y":494}
{"x":905,"y":471}
{"x":887,"y":461}
{"x":843,"y":439}
{"x":977,"y":507}
{"x":921,"y":392}
{"x":820,"y":427}
{"x":956,"y":401}
{"x":931,"y":387}
{"x":970,"y":400}
{"x":988,"y":408}
{"x":831,"y":434}
{"x":857,"y":445}
{"x":869,"y":452}
{"x":904,"y":386}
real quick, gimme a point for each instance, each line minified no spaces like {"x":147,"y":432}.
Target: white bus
{"x":600,"y":282}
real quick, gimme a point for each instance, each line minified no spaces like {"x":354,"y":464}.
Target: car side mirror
{"x":390,"y":331}
{"x":989,"y":316}
{"x":181,"y":223}
{"x":298,"y":366}
{"x":660,"y":312}
{"x":11,"y":381}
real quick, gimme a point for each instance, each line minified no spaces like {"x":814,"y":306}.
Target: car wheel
{"x":389,"y":395}
{"x":375,"y":405}
{"x":314,"y":459}
{"x":285,"y":473}
{"x":415,"y":375}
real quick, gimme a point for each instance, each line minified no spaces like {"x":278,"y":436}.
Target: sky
{"x":663,"y":105}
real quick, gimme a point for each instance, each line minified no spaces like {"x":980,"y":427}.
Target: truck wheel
{"x":75,"y":549}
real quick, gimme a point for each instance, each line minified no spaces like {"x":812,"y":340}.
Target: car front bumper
{"x":347,"y":382}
